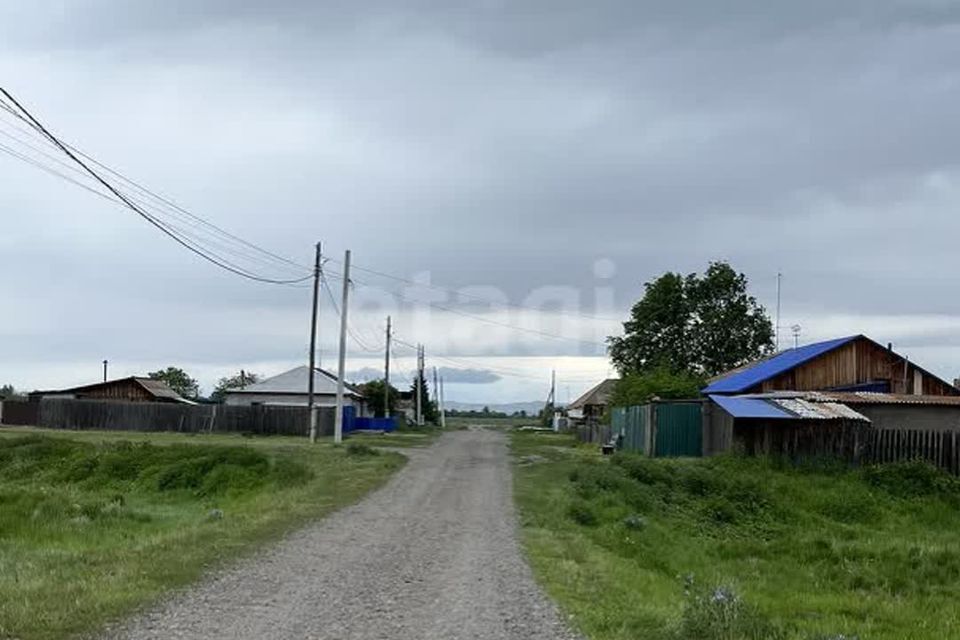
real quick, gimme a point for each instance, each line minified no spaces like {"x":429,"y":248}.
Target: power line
{"x":126,"y":201}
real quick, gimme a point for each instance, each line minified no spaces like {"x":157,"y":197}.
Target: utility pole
{"x":443,"y":410}
{"x":338,"y":420}
{"x":312,"y":410}
{"x":105,"y":362}
{"x":418,"y":385}
{"x":777,"y":332}
{"x":436,"y":388}
{"x":386,"y":375}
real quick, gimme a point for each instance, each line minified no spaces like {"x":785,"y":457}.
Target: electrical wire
{"x":124,"y":199}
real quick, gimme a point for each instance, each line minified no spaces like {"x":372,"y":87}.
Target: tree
{"x":426,"y":405}
{"x":178,"y":380}
{"x":7,"y":392}
{"x":239,"y":381}
{"x":641,"y":388}
{"x":701,"y":325}
{"x":373,"y":391}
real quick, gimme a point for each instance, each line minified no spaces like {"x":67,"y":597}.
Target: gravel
{"x":433,"y":554}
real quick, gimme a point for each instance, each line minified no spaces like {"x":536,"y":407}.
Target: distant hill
{"x":532,"y":408}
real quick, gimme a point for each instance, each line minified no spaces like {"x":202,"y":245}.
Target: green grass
{"x":421,"y":437}
{"x":93,"y":525}
{"x":730,"y":548}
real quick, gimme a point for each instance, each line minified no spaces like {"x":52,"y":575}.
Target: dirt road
{"x":433,"y":554}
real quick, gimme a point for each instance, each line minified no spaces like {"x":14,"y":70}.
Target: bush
{"x":913,"y":479}
{"x":360,"y":449}
{"x":583,"y":514}
{"x":719,"y":613}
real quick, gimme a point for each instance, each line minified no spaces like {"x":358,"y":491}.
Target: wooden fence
{"x":940,"y":448}
{"x":19,"y":412}
{"x":594,"y":433}
{"x":107,"y":415}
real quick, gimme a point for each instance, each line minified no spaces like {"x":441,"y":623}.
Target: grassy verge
{"x":729,"y":548}
{"x":421,"y":437}
{"x":93,"y":525}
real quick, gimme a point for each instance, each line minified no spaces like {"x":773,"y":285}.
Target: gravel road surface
{"x":433,"y":554}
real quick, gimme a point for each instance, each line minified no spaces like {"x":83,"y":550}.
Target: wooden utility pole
{"x":386,"y":375}
{"x":312,"y":410}
{"x":436,"y":387}
{"x":341,"y":365}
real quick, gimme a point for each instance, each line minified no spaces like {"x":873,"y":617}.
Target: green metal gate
{"x":631,"y":422}
{"x":679,"y":429}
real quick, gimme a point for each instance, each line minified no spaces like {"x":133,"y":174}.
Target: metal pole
{"x":386,"y":376}
{"x":104,"y":370}
{"x":311,"y":369}
{"x":338,"y":419}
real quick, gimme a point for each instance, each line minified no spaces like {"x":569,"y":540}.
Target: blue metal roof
{"x":740,"y":407}
{"x":765,"y":369}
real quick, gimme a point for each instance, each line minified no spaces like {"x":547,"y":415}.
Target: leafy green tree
{"x":701,"y":325}
{"x":641,"y":388}
{"x":178,"y":380}
{"x":238,"y":381}
{"x":373,"y":391}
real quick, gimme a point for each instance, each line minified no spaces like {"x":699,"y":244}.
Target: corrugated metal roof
{"x":785,"y":406}
{"x":296,"y":382}
{"x":743,"y":379}
{"x":868,"y":397}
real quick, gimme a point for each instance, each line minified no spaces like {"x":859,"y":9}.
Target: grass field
{"x":93,"y":525}
{"x":728,"y":548}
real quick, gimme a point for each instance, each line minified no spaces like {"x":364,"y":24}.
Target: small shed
{"x":784,"y":423}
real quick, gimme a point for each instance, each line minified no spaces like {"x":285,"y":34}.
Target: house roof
{"x":742,"y":379}
{"x":296,"y":382}
{"x":867,"y":397}
{"x":598,"y":395}
{"x":787,"y":406}
{"x":156,"y":388}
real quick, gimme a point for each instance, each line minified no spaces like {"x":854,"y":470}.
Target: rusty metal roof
{"x":869,"y":397}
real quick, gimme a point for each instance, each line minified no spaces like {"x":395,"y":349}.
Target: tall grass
{"x":739,"y":548}
{"x":91,"y":529}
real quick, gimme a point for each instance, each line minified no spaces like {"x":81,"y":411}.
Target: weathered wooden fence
{"x":19,"y":412}
{"x":105,"y":415}
{"x":594,"y":433}
{"x":940,"y":448}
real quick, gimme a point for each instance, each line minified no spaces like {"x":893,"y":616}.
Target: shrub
{"x":913,"y":479}
{"x":360,"y":449}
{"x":719,"y":613}
{"x":583,"y":514}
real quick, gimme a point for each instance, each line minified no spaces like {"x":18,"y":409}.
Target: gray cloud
{"x":491,"y":143}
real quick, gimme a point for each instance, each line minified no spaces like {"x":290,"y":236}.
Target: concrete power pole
{"x":341,"y":365}
{"x":386,"y":375}
{"x":418,"y":385}
{"x":311,"y":409}
{"x":443,"y":409}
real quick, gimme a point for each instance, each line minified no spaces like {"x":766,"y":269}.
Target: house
{"x":592,"y":404}
{"x":291,"y":389}
{"x":825,"y":396}
{"x":854,"y":363}
{"x":132,"y":389}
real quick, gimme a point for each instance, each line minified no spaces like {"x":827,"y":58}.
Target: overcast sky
{"x":553,"y":154}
